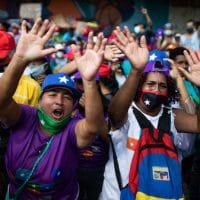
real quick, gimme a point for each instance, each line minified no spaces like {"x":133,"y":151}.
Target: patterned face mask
{"x":153,"y":100}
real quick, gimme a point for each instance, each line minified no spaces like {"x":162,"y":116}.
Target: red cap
{"x":7,"y":44}
{"x":104,"y":70}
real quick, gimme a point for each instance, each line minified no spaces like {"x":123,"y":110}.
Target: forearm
{"x":121,"y":102}
{"x":10,"y":79}
{"x":69,"y":68}
{"x":198,"y":116}
{"x":149,"y":21}
{"x":185,"y":100}
{"x":94,"y":114}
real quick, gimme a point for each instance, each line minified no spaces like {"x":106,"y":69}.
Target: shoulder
{"x":28,"y":116}
{"x":29,"y":81}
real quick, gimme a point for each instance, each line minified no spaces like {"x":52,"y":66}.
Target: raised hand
{"x":174,"y":71}
{"x":144,"y":11}
{"x":194,"y":70}
{"x":136,"y":53}
{"x":112,"y":53}
{"x":89,"y":63}
{"x":31,"y":44}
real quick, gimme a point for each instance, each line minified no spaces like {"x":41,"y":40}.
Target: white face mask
{"x":35,"y":71}
{"x":168,"y":32}
{"x":59,"y":54}
{"x":137,"y":29}
{"x":56,"y":33}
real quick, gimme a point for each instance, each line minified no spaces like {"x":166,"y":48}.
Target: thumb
{"x":143,"y":42}
{"x":185,"y":73}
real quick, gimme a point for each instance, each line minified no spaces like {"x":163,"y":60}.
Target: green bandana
{"x":51,"y":125}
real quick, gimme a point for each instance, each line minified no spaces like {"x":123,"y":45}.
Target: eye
{"x":150,"y":84}
{"x":52,"y":94}
{"x":163,"y":86}
{"x":68,"y":97}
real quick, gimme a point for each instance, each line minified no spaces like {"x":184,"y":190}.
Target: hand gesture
{"x":31,"y":44}
{"x":112,"y":53}
{"x":194,"y":72}
{"x":174,"y":72}
{"x":144,"y":11}
{"x":136,"y":53}
{"x":89,"y":63}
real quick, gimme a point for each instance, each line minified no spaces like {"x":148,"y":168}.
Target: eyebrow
{"x":66,"y":91}
{"x":154,"y":82}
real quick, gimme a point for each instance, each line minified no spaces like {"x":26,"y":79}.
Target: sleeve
{"x":71,"y":129}
{"x":183,"y":141}
{"x":27,"y":118}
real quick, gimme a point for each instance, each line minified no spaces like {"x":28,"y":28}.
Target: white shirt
{"x":124,"y":142}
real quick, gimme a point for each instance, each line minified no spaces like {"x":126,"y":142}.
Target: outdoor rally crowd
{"x":75,"y":110}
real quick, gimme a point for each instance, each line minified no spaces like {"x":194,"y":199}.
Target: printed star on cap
{"x":152,"y":57}
{"x":63,"y":79}
{"x":147,"y":102}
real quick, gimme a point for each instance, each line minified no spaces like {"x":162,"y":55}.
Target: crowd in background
{"x":166,"y":48}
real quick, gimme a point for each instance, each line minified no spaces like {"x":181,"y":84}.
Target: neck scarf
{"x":51,"y":125}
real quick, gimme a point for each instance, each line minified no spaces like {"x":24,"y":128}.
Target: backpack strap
{"x":142,"y":120}
{"x":116,"y":164}
{"x":163,"y":123}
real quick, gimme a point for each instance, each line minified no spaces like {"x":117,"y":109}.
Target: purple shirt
{"x":96,"y":154}
{"x":55,"y":176}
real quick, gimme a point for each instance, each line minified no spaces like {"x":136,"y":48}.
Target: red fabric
{"x":7,"y":44}
{"x":70,"y":55}
{"x":139,"y":155}
{"x":104,"y":70}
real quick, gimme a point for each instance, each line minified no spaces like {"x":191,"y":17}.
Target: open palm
{"x":136,"y":53}
{"x":89,"y":63}
{"x":31,"y":44}
{"x":193,"y":60}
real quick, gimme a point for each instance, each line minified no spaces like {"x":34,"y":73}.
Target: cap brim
{"x":75,"y":93}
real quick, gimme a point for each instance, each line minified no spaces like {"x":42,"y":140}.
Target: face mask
{"x":35,"y":71}
{"x":190,"y":30}
{"x":56,"y":33}
{"x":168,"y":32}
{"x":153,"y":100}
{"x":137,"y":29}
{"x":51,"y":125}
{"x":59,"y":54}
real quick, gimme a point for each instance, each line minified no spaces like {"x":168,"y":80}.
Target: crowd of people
{"x":67,"y":101}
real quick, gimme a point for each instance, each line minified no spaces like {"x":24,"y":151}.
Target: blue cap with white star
{"x":157,"y":62}
{"x":60,"y":80}
{"x":156,"y":55}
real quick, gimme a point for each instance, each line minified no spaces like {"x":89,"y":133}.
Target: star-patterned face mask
{"x":152,"y":100}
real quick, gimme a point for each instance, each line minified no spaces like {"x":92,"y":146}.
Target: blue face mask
{"x":35,"y":71}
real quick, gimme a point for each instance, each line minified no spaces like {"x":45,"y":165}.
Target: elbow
{"x":97,"y":128}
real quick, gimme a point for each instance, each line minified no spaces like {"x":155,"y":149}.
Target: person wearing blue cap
{"x":42,"y":152}
{"x":147,"y":89}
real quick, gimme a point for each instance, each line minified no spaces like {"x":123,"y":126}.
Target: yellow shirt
{"x":28,"y":91}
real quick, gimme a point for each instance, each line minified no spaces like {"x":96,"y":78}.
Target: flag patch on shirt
{"x":131,"y":143}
